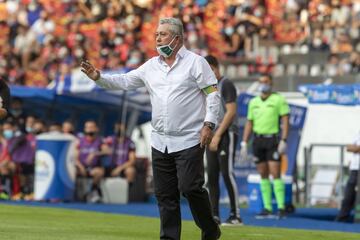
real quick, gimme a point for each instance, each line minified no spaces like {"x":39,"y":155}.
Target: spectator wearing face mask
{"x":17,"y":114}
{"x":237,"y":42}
{"x":6,"y":168}
{"x":88,"y":163}
{"x":29,"y":123}
{"x":19,"y":159}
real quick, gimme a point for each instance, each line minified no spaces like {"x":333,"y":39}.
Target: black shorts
{"x":25,"y":168}
{"x":108,"y":171}
{"x":87,"y":169}
{"x":265,"y":149}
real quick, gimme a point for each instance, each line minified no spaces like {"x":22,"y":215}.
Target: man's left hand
{"x":214,"y":145}
{"x":205,"y":136}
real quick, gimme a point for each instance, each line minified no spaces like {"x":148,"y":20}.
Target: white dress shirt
{"x":179,"y":106}
{"x":355,"y":161}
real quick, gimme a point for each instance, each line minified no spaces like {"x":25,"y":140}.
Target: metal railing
{"x":308,"y":151}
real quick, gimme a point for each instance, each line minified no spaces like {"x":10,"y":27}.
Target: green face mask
{"x":166,"y":50}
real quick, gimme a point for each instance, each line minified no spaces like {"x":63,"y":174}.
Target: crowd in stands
{"x":96,"y":157}
{"x":43,"y":39}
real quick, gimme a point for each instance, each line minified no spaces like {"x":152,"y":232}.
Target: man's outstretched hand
{"x":90,"y":70}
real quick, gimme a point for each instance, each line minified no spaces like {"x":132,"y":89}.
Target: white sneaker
{"x":233,"y":221}
{"x":93,"y":197}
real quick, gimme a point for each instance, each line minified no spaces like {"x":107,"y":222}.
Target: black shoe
{"x":233,"y":221}
{"x":217,"y":220}
{"x":281,"y":214}
{"x":264,"y":214}
{"x":342,"y":219}
{"x":218,"y":233}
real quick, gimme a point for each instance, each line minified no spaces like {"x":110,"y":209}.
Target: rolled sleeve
{"x":212,"y":107}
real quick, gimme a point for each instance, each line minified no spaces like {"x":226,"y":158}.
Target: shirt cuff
{"x":211,"y":118}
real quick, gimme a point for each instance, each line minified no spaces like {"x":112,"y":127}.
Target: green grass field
{"x":37,"y":223}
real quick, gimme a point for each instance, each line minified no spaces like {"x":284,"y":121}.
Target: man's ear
{"x":178,"y":37}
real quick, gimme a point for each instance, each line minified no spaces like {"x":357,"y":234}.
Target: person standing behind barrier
{"x":185,"y":105}
{"x":88,"y":163}
{"x":221,"y":151}
{"x":348,"y":202}
{"x":263,"y":116}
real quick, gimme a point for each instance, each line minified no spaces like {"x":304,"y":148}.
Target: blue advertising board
{"x":54,"y":167}
{"x":340,"y":94}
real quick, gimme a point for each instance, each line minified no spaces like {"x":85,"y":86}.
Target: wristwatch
{"x":210,"y":125}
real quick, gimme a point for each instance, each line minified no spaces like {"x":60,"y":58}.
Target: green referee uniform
{"x":265,"y":115}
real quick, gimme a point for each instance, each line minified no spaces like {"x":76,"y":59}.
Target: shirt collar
{"x":181,"y":53}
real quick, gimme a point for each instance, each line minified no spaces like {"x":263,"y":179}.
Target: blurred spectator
{"x":340,"y":13}
{"x":42,"y":27}
{"x":68,"y":127}
{"x":17,"y":114}
{"x":21,"y":156}
{"x":355,"y":62}
{"x":39,"y":127}
{"x":332,"y":67}
{"x":121,"y":150}
{"x":318,"y":43}
{"x":88,"y":162}
{"x":6,"y":168}
{"x":55,"y":127}
{"x":342,"y":44}
{"x":237,"y":42}
{"x":29,"y":123}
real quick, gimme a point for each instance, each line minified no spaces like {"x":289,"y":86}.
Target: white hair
{"x":176,"y":26}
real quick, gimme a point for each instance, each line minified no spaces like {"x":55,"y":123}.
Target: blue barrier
{"x":54,"y":167}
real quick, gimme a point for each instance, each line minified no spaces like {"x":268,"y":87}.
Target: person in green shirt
{"x":268,"y":113}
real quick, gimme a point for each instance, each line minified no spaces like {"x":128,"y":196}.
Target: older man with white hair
{"x":185,"y":106}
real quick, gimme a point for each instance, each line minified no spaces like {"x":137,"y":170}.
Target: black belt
{"x":266,"y":135}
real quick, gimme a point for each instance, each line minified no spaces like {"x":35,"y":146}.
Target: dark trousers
{"x":182,"y":172}
{"x":347,"y":203}
{"x":222,"y":161}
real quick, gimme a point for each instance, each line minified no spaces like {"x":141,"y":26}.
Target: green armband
{"x":210,"y":89}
